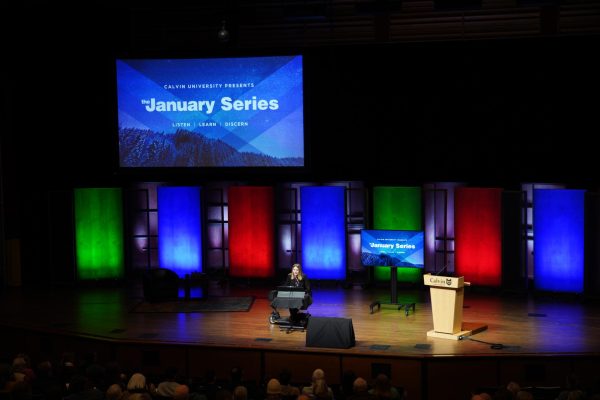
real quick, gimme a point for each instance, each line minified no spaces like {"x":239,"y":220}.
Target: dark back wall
{"x":487,"y":112}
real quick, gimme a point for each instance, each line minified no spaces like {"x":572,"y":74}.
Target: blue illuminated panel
{"x":558,"y":239}
{"x":323,"y":214}
{"x":179,"y":229}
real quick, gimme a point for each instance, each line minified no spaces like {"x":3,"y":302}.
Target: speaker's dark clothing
{"x":304,"y":283}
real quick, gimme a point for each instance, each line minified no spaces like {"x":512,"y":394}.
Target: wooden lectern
{"x":447,"y":295}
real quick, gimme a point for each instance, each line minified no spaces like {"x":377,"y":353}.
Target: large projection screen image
{"x":392,"y":248}
{"x":217,"y":112}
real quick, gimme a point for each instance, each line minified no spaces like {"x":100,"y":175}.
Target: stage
{"x":533,"y":339}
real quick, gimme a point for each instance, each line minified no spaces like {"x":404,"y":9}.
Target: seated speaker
{"x":160,"y":284}
{"x":330,"y":332}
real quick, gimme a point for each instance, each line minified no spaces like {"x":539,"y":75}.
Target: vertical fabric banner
{"x":558,"y":234}
{"x":99,"y":233}
{"x":323,"y":216}
{"x":397,"y":208}
{"x":179,"y":229}
{"x":478,"y":235}
{"x":251,"y":231}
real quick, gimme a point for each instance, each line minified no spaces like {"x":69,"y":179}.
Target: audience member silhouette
{"x":240,"y":393}
{"x":80,"y":388}
{"x":114,"y":392}
{"x":573,"y":384}
{"x":136,"y":386}
{"x":321,"y":391}
{"x":288,"y":391}
{"x":360,"y":390}
{"x":383,"y":389}
{"x":167,"y":387}
{"x":210,"y":385}
{"x":181,"y":392}
{"x":317,"y":375}
{"x":481,"y":396}
{"x":273,"y":389}
{"x":513,"y":387}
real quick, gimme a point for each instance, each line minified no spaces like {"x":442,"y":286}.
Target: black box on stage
{"x":160,"y":284}
{"x":330,"y":332}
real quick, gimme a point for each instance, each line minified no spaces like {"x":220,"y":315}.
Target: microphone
{"x":441,"y":270}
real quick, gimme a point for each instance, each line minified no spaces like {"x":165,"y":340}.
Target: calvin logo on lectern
{"x":440,"y":281}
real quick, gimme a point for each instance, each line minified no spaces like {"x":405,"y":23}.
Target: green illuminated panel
{"x":397,"y":208}
{"x":99,"y":233}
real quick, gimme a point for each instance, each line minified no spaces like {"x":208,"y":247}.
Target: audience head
{"x":19,"y":364}
{"x":114,"y":392}
{"x":182,"y":392}
{"x":45,"y":368}
{"x":68,"y":361}
{"x":21,"y":370}
{"x":25,"y":357}
{"x":360,"y":385}
{"x":576,"y":395}
{"x":273,"y":387}
{"x":513,"y":387}
{"x":318,"y":374}
{"x":240,"y":393}
{"x":523,"y":395}
{"x":137,"y":382}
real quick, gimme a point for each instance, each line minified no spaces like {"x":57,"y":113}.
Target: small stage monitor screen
{"x":391,"y":248}
{"x":213,"y":112}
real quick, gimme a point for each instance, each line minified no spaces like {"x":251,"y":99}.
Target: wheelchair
{"x":297,"y":300}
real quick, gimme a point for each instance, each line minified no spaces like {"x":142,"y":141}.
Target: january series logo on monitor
{"x":392,"y":248}
{"x":218,"y":112}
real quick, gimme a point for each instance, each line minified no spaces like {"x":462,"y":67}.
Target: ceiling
{"x":310,"y":23}
{"x":193,"y":25}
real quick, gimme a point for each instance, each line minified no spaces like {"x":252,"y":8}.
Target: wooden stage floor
{"x":524,"y":329}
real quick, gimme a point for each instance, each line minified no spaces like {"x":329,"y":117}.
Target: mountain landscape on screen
{"x":144,"y":148}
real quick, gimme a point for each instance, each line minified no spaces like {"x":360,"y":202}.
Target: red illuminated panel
{"x":251,"y":226}
{"x":477,"y":231}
